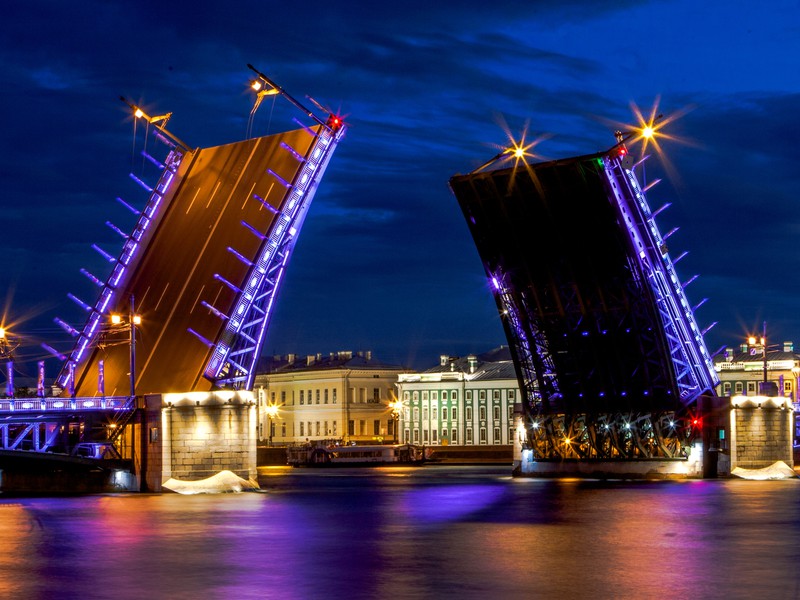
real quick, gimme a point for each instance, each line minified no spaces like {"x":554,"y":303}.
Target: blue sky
{"x":385,"y":261}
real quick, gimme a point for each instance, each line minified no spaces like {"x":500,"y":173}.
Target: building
{"x":461,"y":401}
{"x":342,"y":395}
{"x":743,"y":371}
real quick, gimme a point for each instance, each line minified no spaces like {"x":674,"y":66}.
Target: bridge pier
{"x":192,"y":436}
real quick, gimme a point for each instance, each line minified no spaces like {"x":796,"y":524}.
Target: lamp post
{"x":396,"y":406}
{"x":272,"y":412}
{"x":133,"y":321}
{"x":796,"y":373}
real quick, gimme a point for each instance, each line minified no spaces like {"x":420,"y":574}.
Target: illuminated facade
{"x":465,"y":401}
{"x":341,"y":396}
{"x":609,"y":357}
{"x":741,"y":371}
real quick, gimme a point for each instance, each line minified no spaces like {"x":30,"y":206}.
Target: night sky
{"x":385,"y":261}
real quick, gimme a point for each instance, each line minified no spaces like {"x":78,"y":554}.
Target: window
{"x":511,"y":395}
{"x":327,"y":431}
{"x":434,"y":395}
{"x":469,"y":435}
{"x":362,"y":427}
{"x":424,"y":436}
{"x":407,"y":436}
{"x":433,"y":436}
{"x":335,"y":427}
{"x":424,"y":413}
{"x":469,"y":395}
{"x":510,"y":412}
{"x":302,"y":397}
{"x":453,"y":436}
{"x":406,"y":396}
{"x":444,"y":434}
{"x":496,"y":394}
{"x":415,"y":396}
{"x":316,"y":396}
{"x":273,"y":397}
{"x":469,"y":413}
{"x":496,"y":435}
{"x":726,"y":388}
{"x":453,"y":414}
{"x":482,"y":395}
{"x":511,"y":435}
{"x":309,"y":396}
{"x":376,"y":427}
{"x":444,"y":413}
{"x":283,"y":397}
{"x":390,"y":427}
{"x":482,"y":413}
{"x":787,"y":387}
{"x":483,"y":435}
{"x":416,"y":414}
{"x":416,"y":436}
{"x":496,"y":413}
{"x":351,"y":427}
{"x":309,"y":428}
{"x":376,"y":394}
{"x":261,"y":431}
{"x":334,"y":395}
{"x":444,"y":394}
{"x":751,"y":386}
{"x":283,"y":430}
{"x":326,"y":395}
{"x":318,"y":428}
{"x":425,"y":395}
{"x":435,"y":413}
{"x":302,"y":429}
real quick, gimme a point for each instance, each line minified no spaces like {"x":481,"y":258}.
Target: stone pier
{"x":194,"y":435}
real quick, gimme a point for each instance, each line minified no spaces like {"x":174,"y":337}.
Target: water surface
{"x":426,"y":532}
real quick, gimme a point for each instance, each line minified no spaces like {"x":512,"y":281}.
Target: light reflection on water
{"x":429,"y":532}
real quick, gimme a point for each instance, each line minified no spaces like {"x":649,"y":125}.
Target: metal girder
{"x":611,"y":436}
{"x":236,"y":352}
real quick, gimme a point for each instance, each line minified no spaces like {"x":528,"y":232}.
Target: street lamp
{"x":133,"y":321}
{"x":396,"y":406}
{"x":272,"y":412}
{"x":755,"y":342}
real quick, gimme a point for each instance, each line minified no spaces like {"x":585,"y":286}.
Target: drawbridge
{"x":610,"y":360}
{"x":190,"y":294}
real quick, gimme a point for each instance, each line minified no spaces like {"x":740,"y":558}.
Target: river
{"x":425,"y":532}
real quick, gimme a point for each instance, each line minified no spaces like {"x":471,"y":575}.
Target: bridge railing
{"x":32,"y":405}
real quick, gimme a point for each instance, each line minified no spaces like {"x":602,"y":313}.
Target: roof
{"x":293,"y":363}
{"x":494,"y":364}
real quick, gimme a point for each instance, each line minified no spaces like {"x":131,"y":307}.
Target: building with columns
{"x":461,"y":401}
{"x":341,"y":396}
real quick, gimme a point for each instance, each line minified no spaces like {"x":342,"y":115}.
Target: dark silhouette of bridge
{"x":610,"y":360}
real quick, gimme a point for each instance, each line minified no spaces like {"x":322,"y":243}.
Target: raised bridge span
{"x":610,"y":360}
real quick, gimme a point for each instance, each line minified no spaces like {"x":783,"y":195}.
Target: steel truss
{"x":234,"y":356}
{"x":694,"y":369}
{"x":611,"y":436}
{"x":87,"y":338}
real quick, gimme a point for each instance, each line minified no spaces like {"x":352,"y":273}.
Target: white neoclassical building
{"x":341,"y":396}
{"x":461,"y":401}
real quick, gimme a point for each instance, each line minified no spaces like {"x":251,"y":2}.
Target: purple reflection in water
{"x":429,"y":532}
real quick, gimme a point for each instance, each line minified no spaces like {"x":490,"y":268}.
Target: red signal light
{"x":623,"y":151}
{"x":334,"y":122}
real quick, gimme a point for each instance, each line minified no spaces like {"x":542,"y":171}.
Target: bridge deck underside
{"x":175,"y":273}
{"x":566,"y":270}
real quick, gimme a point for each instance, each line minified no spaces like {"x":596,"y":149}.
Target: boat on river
{"x":333,"y":455}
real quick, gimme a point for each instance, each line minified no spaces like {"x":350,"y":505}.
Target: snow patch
{"x":777,"y":470}
{"x":221,"y":483}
